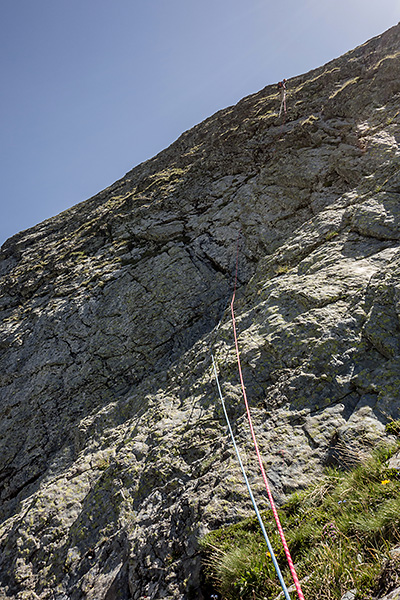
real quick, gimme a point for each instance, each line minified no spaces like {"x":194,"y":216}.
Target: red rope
{"x":271,"y":500}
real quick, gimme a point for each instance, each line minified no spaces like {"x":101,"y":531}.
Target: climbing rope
{"x":271,"y":500}
{"x":270,"y":497}
{"x":277,"y":569}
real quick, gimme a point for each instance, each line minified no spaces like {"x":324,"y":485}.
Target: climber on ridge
{"x":282,"y":89}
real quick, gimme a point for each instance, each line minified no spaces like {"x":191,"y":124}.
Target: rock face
{"x":115,"y":454}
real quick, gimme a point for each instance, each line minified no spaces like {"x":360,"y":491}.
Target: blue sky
{"x":91,"y":88}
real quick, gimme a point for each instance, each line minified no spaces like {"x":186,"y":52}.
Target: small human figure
{"x":282,"y":90}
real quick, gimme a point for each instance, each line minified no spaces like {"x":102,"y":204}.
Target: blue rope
{"x":277,"y":569}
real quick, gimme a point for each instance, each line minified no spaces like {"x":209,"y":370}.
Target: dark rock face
{"x":114,"y":451}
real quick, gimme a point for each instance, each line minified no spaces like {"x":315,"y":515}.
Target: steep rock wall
{"x":114,"y":451}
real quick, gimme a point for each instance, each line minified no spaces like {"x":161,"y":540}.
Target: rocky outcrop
{"x":115,"y":457}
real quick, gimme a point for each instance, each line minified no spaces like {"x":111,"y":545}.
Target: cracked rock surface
{"x":115,"y":457}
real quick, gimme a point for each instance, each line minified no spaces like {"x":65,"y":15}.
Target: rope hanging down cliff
{"x":277,"y":569}
{"x":271,"y":500}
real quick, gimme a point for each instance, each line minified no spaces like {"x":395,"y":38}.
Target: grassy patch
{"x":330,"y":235}
{"x":281,"y":269}
{"x":339,"y":533}
{"x":393,"y":427}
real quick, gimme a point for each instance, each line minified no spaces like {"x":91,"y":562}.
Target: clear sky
{"x":91,"y":88}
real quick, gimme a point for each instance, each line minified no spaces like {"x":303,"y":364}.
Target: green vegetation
{"x":281,"y":269}
{"x":330,"y":235}
{"x":393,"y":427}
{"x":339,"y":533}
{"x":344,"y":86}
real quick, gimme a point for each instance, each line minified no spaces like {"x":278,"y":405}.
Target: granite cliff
{"x":114,"y":452}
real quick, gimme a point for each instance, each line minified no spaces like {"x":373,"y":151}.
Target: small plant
{"x":103,"y":464}
{"x":281,"y":269}
{"x":331,"y":234}
{"x":393,"y":427}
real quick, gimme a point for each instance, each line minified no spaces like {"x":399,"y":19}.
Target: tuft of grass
{"x":281,"y":269}
{"x":339,"y":532}
{"x":393,"y":427}
{"x":331,"y":234}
